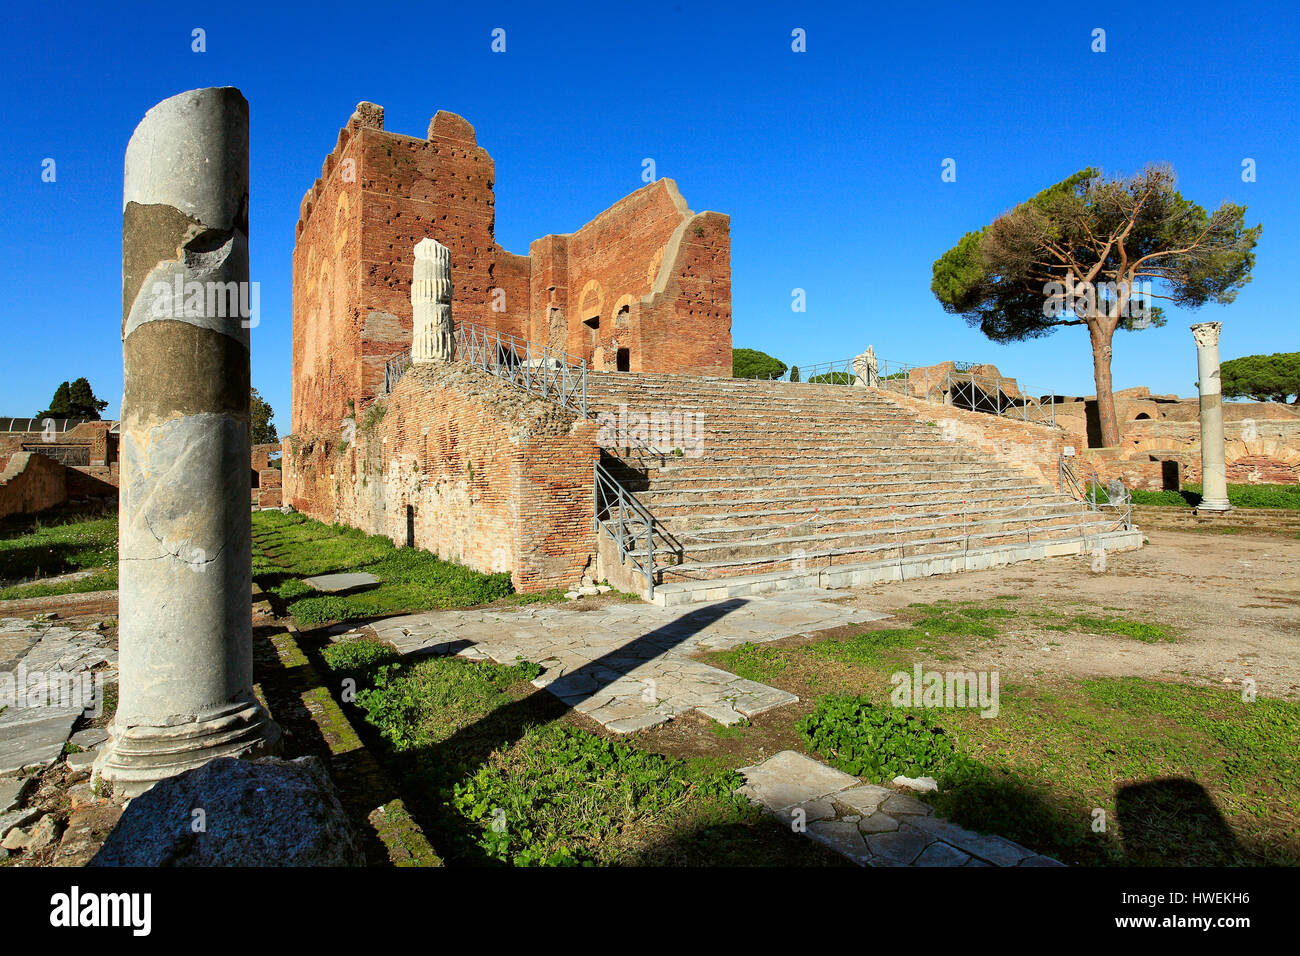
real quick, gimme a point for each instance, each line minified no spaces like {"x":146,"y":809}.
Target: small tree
{"x":82,"y":401}
{"x":751,"y":363}
{"x":1089,"y":251}
{"x":261,"y":430}
{"x":794,"y":373}
{"x":60,"y":404}
{"x":1265,"y":378}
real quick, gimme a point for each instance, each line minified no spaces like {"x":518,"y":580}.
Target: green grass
{"x":1138,"y":630}
{"x":1185,"y":775}
{"x":294,"y":546}
{"x":1240,"y":496}
{"x":495,"y":778}
{"x":50,"y":545}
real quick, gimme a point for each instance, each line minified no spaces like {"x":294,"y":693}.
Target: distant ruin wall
{"x":31,"y":483}
{"x":1258,"y":451}
{"x":464,"y":466}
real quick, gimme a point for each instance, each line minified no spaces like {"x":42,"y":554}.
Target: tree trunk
{"x":1101,"y":332}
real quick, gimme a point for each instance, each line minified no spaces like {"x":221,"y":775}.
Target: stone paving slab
{"x":341,"y":583}
{"x":34,"y":725}
{"x":870,"y":824}
{"x":629,"y":666}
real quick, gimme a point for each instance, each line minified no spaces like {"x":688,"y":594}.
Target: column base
{"x":1213,"y":505}
{"x":135,"y":758}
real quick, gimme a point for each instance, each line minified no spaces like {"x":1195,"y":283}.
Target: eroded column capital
{"x":1206,"y":333}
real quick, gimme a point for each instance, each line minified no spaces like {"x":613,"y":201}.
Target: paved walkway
{"x":871,"y":825}
{"x":45,"y":685}
{"x":627,"y":666}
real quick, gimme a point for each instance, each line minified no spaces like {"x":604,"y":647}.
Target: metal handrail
{"x":629,"y":524}
{"x":1085,"y":489}
{"x":554,"y":375}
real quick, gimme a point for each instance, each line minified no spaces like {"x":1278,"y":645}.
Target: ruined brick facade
{"x":644,"y":286}
{"x":465,"y":466}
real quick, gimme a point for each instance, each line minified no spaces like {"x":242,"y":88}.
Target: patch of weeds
{"x":62,"y":543}
{"x":359,"y":656}
{"x":876,"y":741}
{"x":757,"y":662}
{"x":549,"y":795}
{"x":734,"y":732}
{"x":1138,"y":630}
{"x":410,"y":579}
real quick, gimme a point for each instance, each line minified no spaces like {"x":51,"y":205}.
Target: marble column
{"x":1214,"y":474}
{"x":432,"y":338}
{"x":185,"y":608}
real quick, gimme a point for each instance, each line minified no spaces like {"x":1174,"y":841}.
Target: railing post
{"x":650,"y":558}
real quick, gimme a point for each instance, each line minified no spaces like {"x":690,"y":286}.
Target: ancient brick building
{"x":645,"y":286}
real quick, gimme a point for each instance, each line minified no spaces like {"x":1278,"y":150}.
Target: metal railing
{"x":552,"y":374}
{"x":45,"y":425}
{"x":394,"y":369}
{"x":960,"y":389}
{"x":629,"y":524}
{"x":1069,"y":482}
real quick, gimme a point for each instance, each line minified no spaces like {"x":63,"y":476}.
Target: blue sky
{"x":827,"y":161}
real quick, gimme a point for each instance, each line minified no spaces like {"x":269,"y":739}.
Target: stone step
{"x":719,"y":528}
{"x":797,"y":490}
{"x":682,"y":588}
{"x":915,"y":535}
{"x":707,"y":508}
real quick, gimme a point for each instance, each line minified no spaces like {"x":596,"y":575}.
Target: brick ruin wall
{"x":42,"y":472}
{"x":1154,"y":455}
{"x":646,"y":286}
{"x":647,"y":276}
{"x":1258,"y":451}
{"x":456,"y":462}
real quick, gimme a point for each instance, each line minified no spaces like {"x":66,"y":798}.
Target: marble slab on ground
{"x":870,"y":824}
{"x":35,"y":725}
{"x":341,"y":583}
{"x":629,"y":666}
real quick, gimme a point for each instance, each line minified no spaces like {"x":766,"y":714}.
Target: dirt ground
{"x":1233,"y":600}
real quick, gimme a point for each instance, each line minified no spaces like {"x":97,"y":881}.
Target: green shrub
{"x":875,"y":741}
{"x":294,"y":588}
{"x":357,"y":656}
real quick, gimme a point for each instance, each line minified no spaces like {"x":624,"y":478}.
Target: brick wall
{"x":31,"y":483}
{"x":654,"y":276}
{"x":462,"y":465}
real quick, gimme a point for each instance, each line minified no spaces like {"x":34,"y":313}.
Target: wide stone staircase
{"x":761,"y":485}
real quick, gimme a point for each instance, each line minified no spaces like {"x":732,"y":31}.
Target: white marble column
{"x":185,"y":608}
{"x":1214,"y":474}
{"x":432,"y":338}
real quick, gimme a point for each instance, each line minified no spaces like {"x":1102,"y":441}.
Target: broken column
{"x":185,"y":607}
{"x":866,"y":370}
{"x":431,"y":330}
{"x":1214,"y":473}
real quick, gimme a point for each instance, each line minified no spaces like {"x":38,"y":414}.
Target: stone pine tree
{"x":1265,"y":378}
{"x":1096,"y":251}
{"x":751,"y":363}
{"x":261,"y":430}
